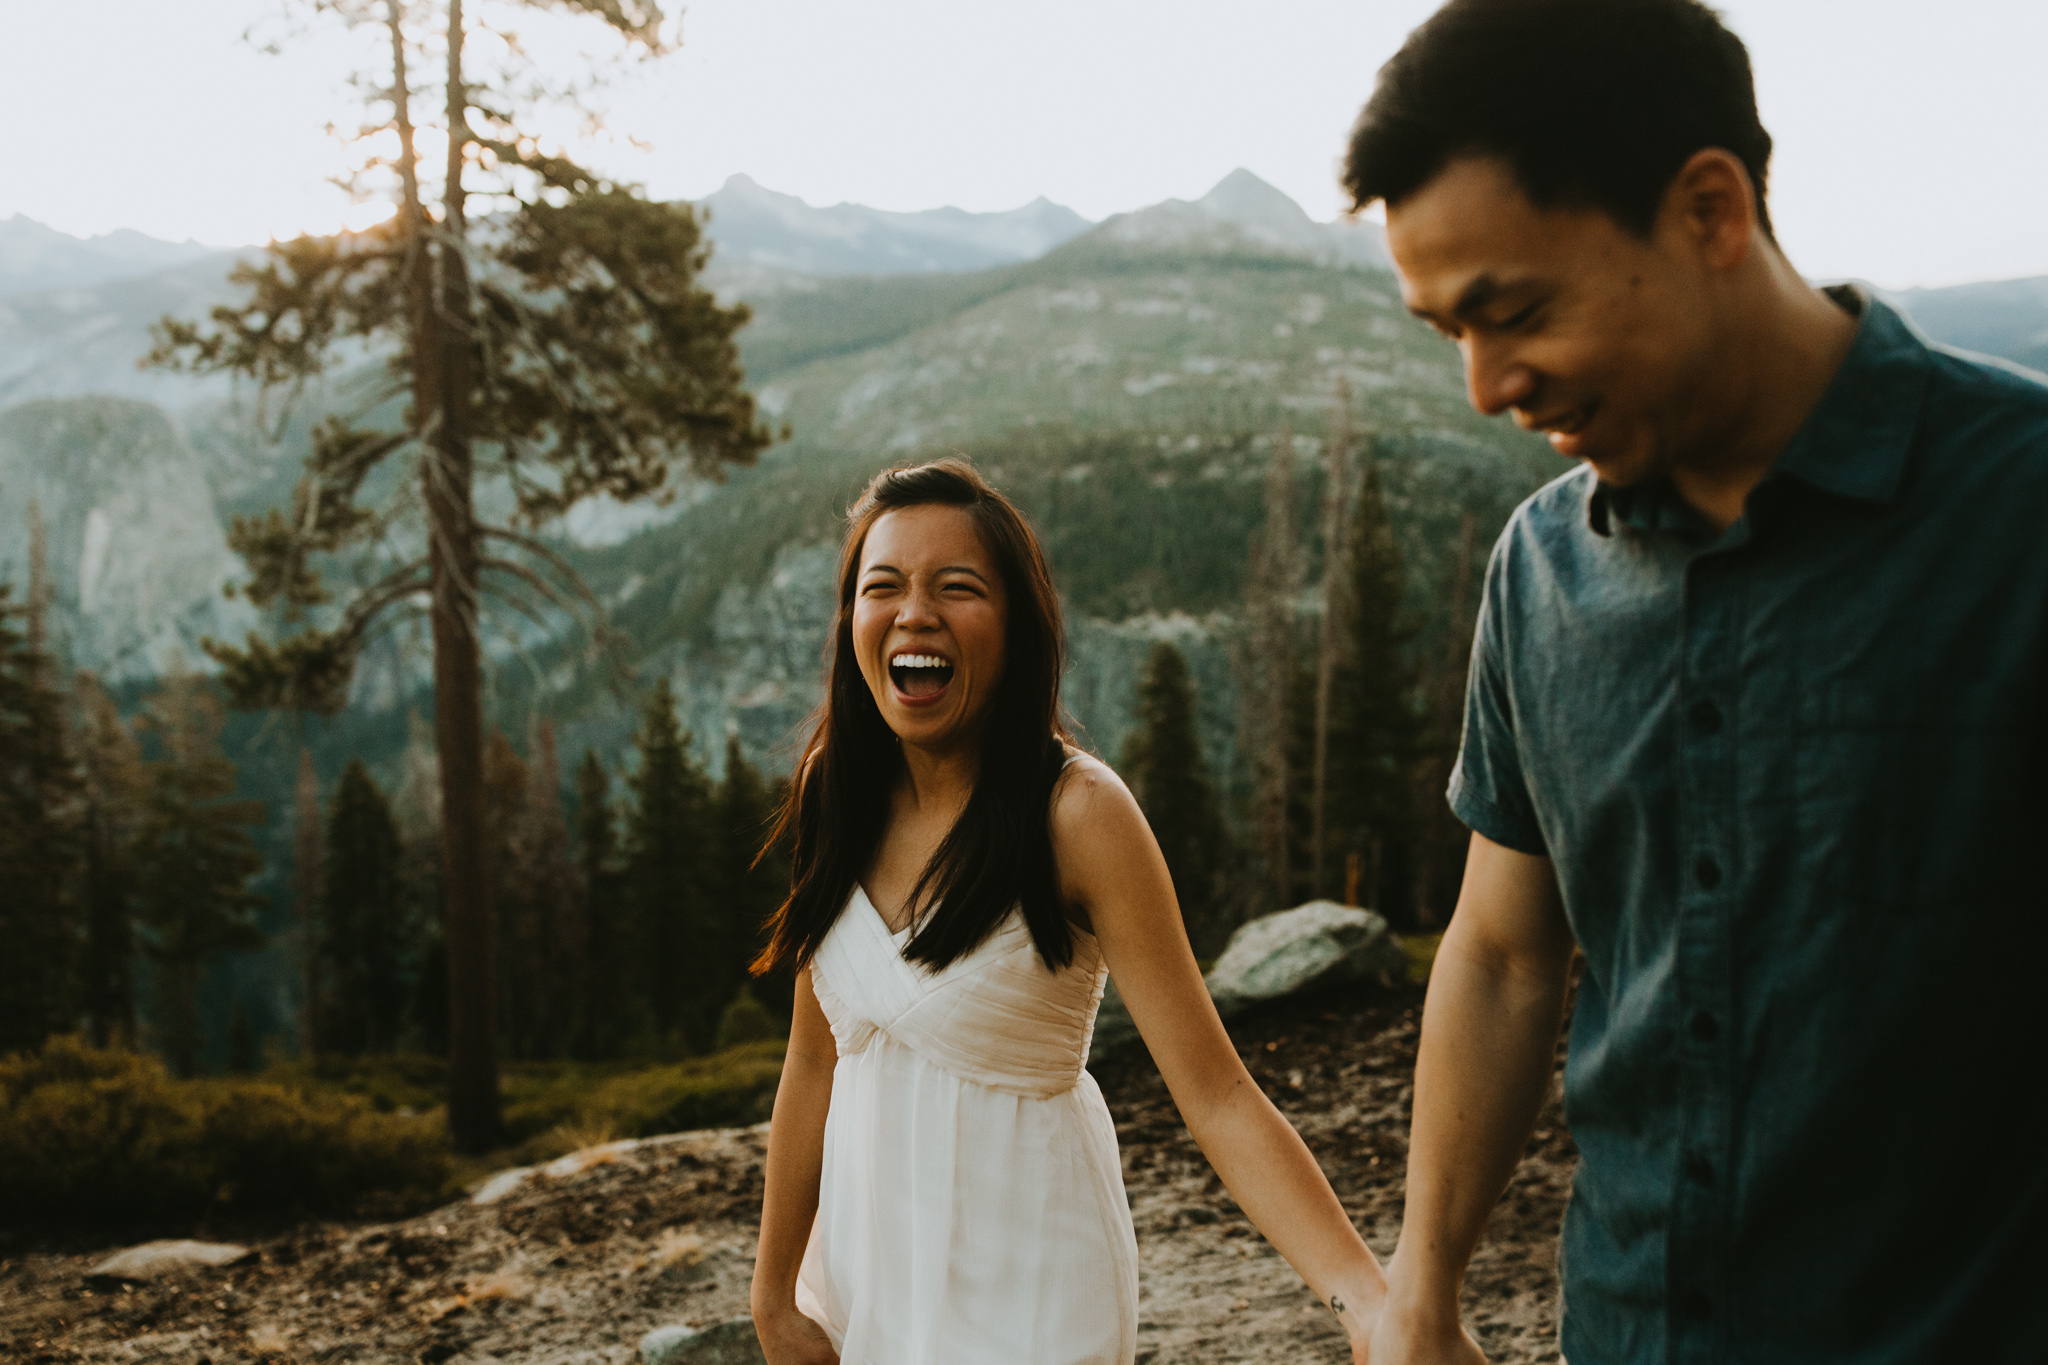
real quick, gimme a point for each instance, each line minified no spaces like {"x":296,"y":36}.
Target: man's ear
{"x":1710,"y":207}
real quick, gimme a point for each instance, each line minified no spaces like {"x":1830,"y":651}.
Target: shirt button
{"x":1698,"y":1169}
{"x":1696,"y":1305}
{"x":1706,"y":717}
{"x":1707,"y":873}
{"x":1705,"y":1028}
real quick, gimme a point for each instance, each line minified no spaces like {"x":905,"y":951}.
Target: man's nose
{"x":1494,"y":379}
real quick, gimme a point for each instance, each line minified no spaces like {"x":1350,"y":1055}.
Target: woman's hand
{"x":789,"y":1205}
{"x":790,"y":1338}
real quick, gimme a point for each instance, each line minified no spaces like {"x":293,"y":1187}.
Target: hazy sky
{"x":1912,"y":135}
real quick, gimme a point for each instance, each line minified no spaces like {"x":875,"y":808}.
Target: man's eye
{"x":1520,"y":318}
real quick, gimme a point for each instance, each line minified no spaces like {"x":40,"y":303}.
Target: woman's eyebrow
{"x":963,"y":568}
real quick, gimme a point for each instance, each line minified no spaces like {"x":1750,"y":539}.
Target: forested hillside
{"x":1130,"y":388}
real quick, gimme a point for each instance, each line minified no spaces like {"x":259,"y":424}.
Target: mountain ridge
{"x":756,"y":226}
{"x":35,"y":256}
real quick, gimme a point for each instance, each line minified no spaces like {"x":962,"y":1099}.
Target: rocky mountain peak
{"x":1242,"y":197}
{"x":1244,"y":215}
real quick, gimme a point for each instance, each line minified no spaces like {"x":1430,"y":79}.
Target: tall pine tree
{"x":195,"y":859}
{"x":39,"y":922}
{"x":517,"y":950}
{"x":569,"y":350}
{"x":309,"y":853}
{"x":362,"y":930}
{"x":674,"y":856}
{"x":756,"y":879}
{"x":116,"y":789}
{"x":1162,"y":762}
{"x":416,"y":810}
{"x":547,"y":865}
{"x":613,"y":996}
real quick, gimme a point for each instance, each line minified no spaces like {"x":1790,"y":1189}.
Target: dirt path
{"x":574,"y":1271}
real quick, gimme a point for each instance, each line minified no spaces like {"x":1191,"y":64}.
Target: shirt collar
{"x":1853,"y":444}
{"x":1856,"y":440}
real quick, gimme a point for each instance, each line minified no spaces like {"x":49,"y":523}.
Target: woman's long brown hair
{"x":999,"y":853}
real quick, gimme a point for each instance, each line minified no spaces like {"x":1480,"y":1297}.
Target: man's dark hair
{"x":1596,"y":103}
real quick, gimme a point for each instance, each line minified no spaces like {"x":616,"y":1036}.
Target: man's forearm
{"x":1489,"y":1032}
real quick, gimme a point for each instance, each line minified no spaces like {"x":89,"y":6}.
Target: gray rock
{"x":154,"y":1260}
{"x":731,"y":1342}
{"x":1314,"y":947}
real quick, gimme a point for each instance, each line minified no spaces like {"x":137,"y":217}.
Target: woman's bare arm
{"x":1110,"y":866}
{"x":789,"y":1204}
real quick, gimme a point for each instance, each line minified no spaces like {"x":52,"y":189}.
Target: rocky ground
{"x":577,"y":1268}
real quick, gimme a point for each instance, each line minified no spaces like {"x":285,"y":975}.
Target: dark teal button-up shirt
{"x":1791,"y":777}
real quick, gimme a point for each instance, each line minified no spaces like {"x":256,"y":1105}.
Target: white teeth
{"x":918,"y":661}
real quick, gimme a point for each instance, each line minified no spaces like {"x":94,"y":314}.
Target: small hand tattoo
{"x":1336,"y":1304}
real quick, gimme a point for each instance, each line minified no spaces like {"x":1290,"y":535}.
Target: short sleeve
{"x":1488,"y":792}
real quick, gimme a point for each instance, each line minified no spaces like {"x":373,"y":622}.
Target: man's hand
{"x":790,"y":1338}
{"x":1391,"y":1331}
{"x":1482,"y":1071}
{"x":1397,"y":1339}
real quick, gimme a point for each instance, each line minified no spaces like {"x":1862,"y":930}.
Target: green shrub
{"x":728,"y":1088}
{"x":747,"y":1020}
{"x":90,"y":1136}
{"x":391,"y":1082}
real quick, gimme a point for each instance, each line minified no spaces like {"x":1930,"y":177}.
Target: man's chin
{"x":1615,"y":468}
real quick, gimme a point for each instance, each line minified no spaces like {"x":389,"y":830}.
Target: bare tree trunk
{"x":458,"y":682}
{"x":1269,"y":671}
{"x":38,"y":592}
{"x":1446,"y":705}
{"x":307,"y":860}
{"x":1336,"y":556}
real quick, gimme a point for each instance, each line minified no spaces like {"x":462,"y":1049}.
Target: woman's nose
{"x":919,"y":608}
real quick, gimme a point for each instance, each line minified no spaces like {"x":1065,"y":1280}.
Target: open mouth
{"x":919,"y":676}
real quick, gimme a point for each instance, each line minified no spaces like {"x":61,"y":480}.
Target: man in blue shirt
{"x":1755,"y":721}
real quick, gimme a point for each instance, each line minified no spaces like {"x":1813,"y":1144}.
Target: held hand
{"x":1396,"y":1339}
{"x":790,"y":1338}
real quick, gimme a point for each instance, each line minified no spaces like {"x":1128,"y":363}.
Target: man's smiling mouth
{"x":1567,"y":423}
{"x":920,"y":675}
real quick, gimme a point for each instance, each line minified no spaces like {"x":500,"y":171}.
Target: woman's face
{"x":929,"y":614}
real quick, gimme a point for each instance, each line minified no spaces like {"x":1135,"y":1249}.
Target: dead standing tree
{"x":563,"y":349}
{"x":1336,"y":561}
{"x":1445,"y":693}
{"x":1268,"y":669}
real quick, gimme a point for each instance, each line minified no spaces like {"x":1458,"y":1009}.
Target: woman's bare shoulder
{"x":1091,"y":801}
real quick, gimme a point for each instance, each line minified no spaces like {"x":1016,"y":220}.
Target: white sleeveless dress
{"x":971,"y":1209}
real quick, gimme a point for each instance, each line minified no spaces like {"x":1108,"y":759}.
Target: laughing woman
{"x":943,"y":1185}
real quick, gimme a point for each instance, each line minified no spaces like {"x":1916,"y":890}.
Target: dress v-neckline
{"x":876,"y":911}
